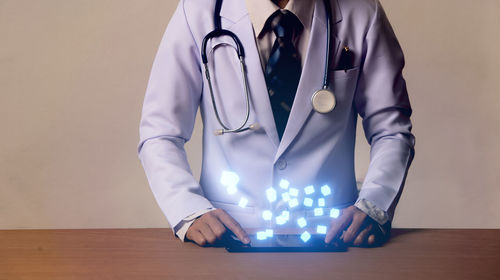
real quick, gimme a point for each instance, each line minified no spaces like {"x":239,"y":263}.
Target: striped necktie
{"x":283,"y":68}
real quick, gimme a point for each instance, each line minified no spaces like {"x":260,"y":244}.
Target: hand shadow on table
{"x":394,"y":236}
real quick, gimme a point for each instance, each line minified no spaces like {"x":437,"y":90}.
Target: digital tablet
{"x":284,"y":243}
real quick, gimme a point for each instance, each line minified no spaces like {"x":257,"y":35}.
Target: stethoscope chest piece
{"x":323,"y":101}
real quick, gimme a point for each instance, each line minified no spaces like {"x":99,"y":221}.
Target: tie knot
{"x":285,"y":24}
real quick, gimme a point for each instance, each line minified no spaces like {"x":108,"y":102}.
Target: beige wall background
{"x":72,"y":81}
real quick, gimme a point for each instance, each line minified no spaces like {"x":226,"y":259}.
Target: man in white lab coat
{"x":308,"y":148}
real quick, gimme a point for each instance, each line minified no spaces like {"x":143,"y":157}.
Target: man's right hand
{"x":212,"y":226}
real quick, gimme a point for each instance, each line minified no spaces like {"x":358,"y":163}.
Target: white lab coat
{"x":316,"y":148}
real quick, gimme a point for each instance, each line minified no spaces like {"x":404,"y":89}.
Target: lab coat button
{"x":281,"y":164}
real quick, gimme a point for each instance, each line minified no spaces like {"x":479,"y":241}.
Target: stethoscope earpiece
{"x":253,"y":127}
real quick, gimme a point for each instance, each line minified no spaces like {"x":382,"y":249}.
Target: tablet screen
{"x":284,"y":243}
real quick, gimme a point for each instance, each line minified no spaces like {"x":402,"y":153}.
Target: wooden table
{"x":156,"y":254}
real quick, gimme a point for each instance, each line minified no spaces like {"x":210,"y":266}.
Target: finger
{"x":362,"y":236}
{"x":371,"y":240}
{"x":197,"y":237}
{"x":217,"y":227}
{"x":336,"y":226}
{"x":380,"y":236}
{"x":233,"y":226}
{"x":207,"y":232}
{"x":354,"y":228}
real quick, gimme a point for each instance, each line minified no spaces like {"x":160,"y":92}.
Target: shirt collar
{"x":260,"y":10}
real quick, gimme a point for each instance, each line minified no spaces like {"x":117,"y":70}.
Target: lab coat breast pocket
{"x":343,"y":81}
{"x":227,"y":81}
{"x":343,"y":84}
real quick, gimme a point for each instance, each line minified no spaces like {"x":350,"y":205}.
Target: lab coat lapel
{"x":312,"y":73}
{"x":236,"y":12}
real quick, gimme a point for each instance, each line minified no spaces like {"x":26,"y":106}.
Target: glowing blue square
{"x":309,"y":190}
{"x":280,"y":220}
{"x":321,"y":202}
{"x":318,"y":211}
{"x":229,"y":179}
{"x":293,"y":203}
{"x":293,"y":192}
{"x":321,"y":229}
{"x":269,"y":233}
{"x":334,"y":213}
{"x":308,"y":202}
{"x":232,"y":189}
{"x":284,"y":184}
{"x":285,"y":196}
{"x":261,"y":235}
{"x":325,"y":190}
{"x":302,"y":222}
{"x":267,"y":215}
{"x":286,"y":215}
{"x":305,"y":236}
{"x":271,"y":194}
{"x":243,"y":202}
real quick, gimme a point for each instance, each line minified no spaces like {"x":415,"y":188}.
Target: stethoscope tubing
{"x":328,"y":41}
{"x":227,"y":129}
{"x":217,"y":32}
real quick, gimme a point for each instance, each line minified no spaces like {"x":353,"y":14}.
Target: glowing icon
{"x":293,"y":203}
{"x":243,"y":202}
{"x":318,"y":211}
{"x":288,"y":195}
{"x":285,"y":196}
{"x":286,"y":215}
{"x":309,"y":190}
{"x":280,"y":220}
{"x":283,"y":218}
{"x":325,"y":190}
{"x":267,"y":215}
{"x":229,"y":179}
{"x":261,"y":235}
{"x":302,"y":222}
{"x":334,"y":213}
{"x":305,"y":236}
{"x":321,"y":229}
{"x":232,"y":190}
{"x":284,"y":184}
{"x":321,"y":202}
{"x":308,"y":202}
{"x":293,"y":192}
{"x":271,"y":194}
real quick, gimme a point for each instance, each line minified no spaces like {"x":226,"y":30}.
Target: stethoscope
{"x":323,"y":100}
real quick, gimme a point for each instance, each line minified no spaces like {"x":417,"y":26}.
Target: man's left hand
{"x":358,"y":229}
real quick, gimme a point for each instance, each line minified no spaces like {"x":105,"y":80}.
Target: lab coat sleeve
{"x":382,"y":101}
{"x":171,"y":101}
{"x":377,"y":214}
